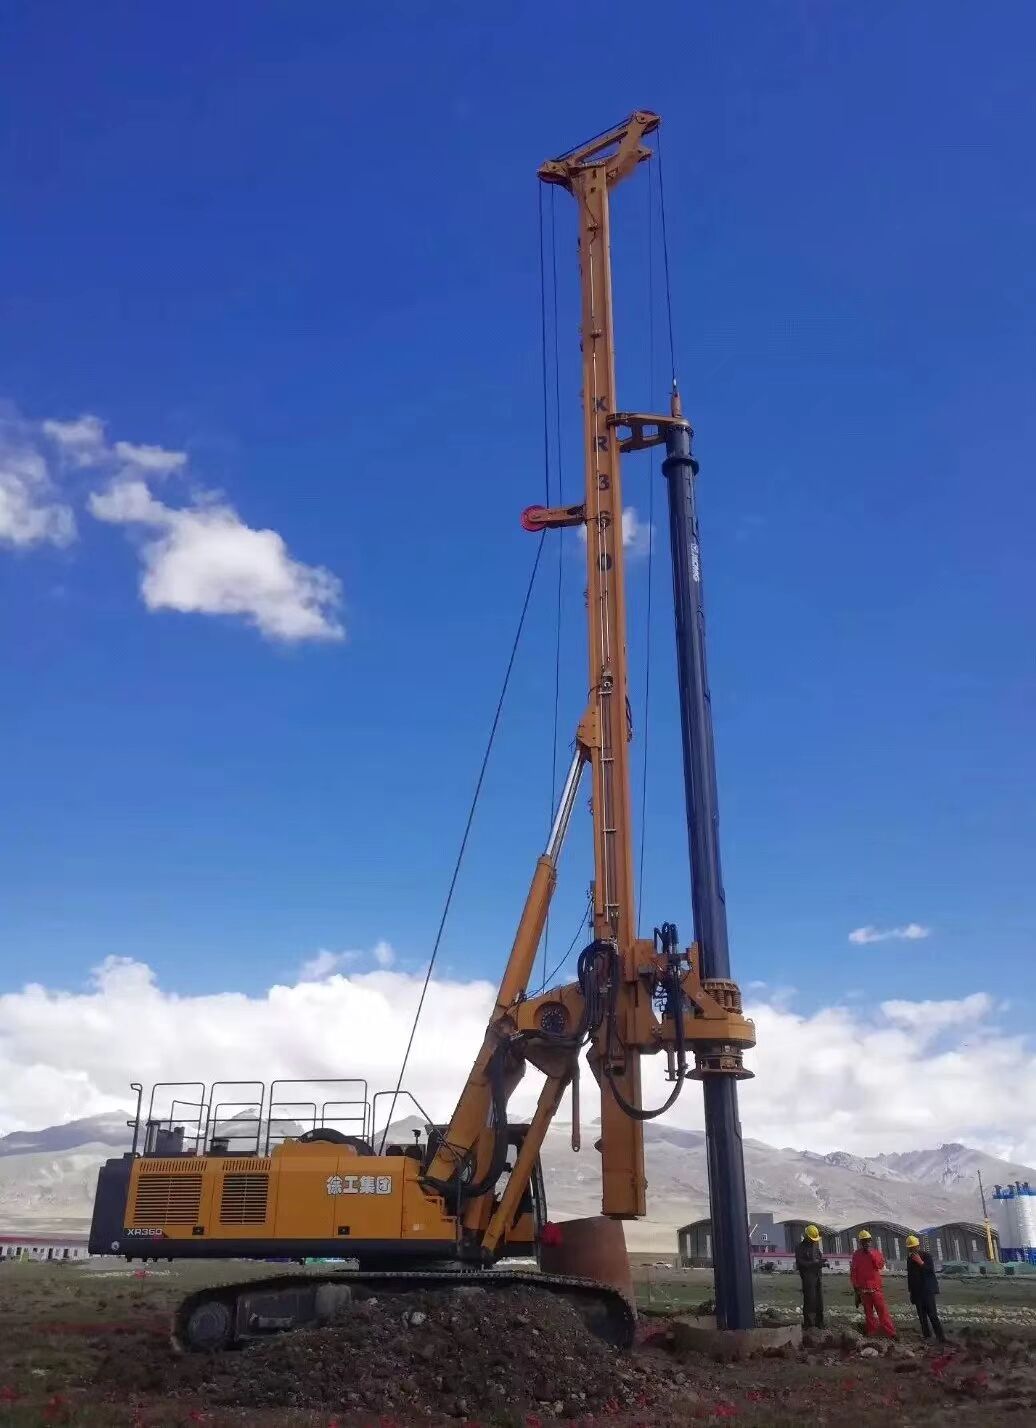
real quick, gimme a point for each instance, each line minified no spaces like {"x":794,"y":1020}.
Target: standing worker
{"x":923,"y":1286}
{"x":865,"y":1276}
{"x":809,"y":1261}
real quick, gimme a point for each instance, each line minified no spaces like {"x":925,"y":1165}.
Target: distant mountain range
{"x":916,"y":1188}
{"x":47,"y":1179}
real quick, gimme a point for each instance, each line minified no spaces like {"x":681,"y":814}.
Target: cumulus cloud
{"x":83,"y":443}
{"x":32,"y":511}
{"x":636,"y":534}
{"x":204,"y":559}
{"x":80,"y":442}
{"x":198,"y":555}
{"x":324,"y":964}
{"x":901,"y":1076}
{"x":910,"y":932}
{"x":898,"y":1076}
{"x":72,"y":1053}
{"x":154,"y":459}
{"x":932,"y":1017}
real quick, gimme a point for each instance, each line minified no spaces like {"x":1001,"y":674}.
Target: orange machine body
{"x":316,"y":1199}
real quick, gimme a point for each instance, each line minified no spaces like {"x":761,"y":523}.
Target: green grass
{"x":972,"y":1299}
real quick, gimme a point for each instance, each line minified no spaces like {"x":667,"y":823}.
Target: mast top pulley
{"x":618,"y":150}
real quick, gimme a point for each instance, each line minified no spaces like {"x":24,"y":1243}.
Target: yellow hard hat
{"x":864,"y":1235}
{"x":912,"y":1242}
{"x":812,"y":1233}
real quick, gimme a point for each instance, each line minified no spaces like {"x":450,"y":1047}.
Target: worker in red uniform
{"x":865,"y":1276}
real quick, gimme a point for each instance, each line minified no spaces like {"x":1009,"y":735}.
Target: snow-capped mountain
{"x":954,"y":1166}
{"x":916,"y":1189}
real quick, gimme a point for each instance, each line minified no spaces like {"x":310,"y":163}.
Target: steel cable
{"x":467,"y":830}
{"x":651,"y":557}
{"x":665,"y":256}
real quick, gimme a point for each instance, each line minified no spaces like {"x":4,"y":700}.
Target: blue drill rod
{"x":731,"y":1252}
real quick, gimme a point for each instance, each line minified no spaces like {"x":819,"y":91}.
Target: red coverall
{"x":865,"y":1276}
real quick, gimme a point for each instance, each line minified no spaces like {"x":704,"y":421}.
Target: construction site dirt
{"x":83,"y":1346}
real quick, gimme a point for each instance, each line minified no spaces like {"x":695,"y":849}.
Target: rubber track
{"x":622,"y":1314}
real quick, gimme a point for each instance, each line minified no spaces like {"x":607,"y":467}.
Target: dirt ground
{"x":89,"y":1345}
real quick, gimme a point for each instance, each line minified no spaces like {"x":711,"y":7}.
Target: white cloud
{"x":80,"y":442}
{"x":31,"y":510}
{"x":154,"y":459}
{"x":65,"y":1054}
{"x":324,"y":964}
{"x":929,"y":1018}
{"x":124,"y":502}
{"x":206,"y":560}
{"x":899,"y":1076}
{"x":201,"y":556}
{"x":328,"y":964}
{"x":84,"y":443}
{"x":636,"y":534}
{"x":910,"y":932}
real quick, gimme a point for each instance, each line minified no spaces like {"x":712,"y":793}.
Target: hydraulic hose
{"x":593,"y":1005}
{"x":456,"y":1187}
{"x":675,"y":1005}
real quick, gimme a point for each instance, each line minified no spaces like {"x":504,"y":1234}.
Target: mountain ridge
{"x":47,"y":1179}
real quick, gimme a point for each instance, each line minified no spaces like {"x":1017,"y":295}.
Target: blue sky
{"x":300,"y":244}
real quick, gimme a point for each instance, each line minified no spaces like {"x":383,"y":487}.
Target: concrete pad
{"x":700,"y":1335}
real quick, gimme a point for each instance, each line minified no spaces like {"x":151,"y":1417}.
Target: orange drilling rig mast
{"x":589,"y":174}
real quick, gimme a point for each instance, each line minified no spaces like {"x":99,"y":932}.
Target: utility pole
{"x":985,"y":1218}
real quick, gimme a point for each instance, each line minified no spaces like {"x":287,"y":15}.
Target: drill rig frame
{"x":632,"y":996}
{"x":621,"y":977}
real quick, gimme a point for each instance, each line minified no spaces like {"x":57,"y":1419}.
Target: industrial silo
{"x":1014,"y":1211}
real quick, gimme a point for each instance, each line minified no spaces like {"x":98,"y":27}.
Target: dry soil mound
{"x":435,"y":1353}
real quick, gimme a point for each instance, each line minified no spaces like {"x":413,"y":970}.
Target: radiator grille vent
{"x":167,"y":1200}
{"x":243,"y":1201}
{"x":250,"y":1163}
{"x":182,"y":1165}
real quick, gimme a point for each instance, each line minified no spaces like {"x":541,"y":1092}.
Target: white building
{"x":41,"y":1247}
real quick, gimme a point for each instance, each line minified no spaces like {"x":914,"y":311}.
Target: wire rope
{"x":544,"y":376}
{"x":651,"y":558}
{"x":559,"y":469}
{"x":665,"y":255}
{"x":568,"y":950}
{"x":467,"y":830}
